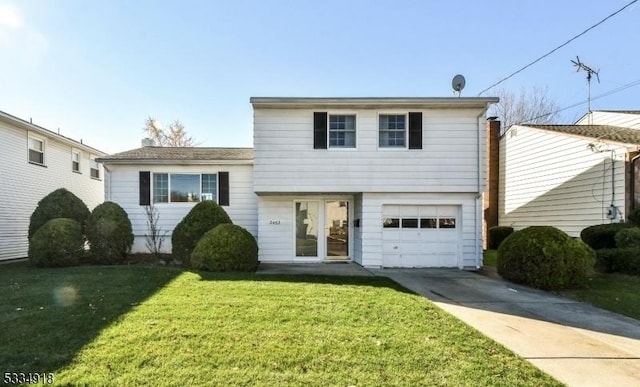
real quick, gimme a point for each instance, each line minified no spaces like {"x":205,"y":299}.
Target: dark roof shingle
{"x":155,"y":153}
{"x":598,"y":132}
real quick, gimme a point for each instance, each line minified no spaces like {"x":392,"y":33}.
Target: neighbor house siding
{"x":24,"y":184}
{"x":553,"y":179}
{"x":624,"y":120}
{"x":286,"y":160}
{"x":124,"y":189}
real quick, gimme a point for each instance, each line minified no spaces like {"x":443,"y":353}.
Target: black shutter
{"x":145,"y":188}
{"x":319,"y":130}
{"x":223,"y":188}
{"x":415,"y":130}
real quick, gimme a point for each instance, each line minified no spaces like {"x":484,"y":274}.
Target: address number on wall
{"x":274,"y":222}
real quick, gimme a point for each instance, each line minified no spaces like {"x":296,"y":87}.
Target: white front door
{"x":322,"y":230}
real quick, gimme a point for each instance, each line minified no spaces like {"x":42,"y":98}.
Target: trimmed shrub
{"x":628,"y":237}
{"x":602,"y":236}
{"x":624,"y":260}
{"x":227,"y":247}
{"x":59,"y":242}
{"x":109,"y":234}
{"x":60,"y":203}
{"x":203,"y":217}
{"x":546,"y":258}
{"x":497,"y":234}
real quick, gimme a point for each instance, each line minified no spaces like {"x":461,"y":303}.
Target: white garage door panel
{"x":419,"y":241}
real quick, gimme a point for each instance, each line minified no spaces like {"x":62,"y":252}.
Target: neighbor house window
{"x":95,"y":169}
{"x":184,"y":187}
{"x":342,"y":131}
{"x":75,"y":161}
{"x":392,"y":131}
{"x":36,"y":151}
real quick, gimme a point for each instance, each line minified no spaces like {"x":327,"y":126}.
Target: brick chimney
{"x":493,"y":173}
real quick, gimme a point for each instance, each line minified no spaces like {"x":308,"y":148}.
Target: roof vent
{"x":147,"y":142}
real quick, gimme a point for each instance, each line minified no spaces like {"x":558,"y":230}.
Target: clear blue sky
{"x":98,"y":69}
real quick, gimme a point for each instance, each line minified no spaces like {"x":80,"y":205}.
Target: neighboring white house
{"x":392,"y":182}
{"x":173,"y":180}
{"x":34,"y":162}
{"x":622,"y":118}
{"x":569,"y":176}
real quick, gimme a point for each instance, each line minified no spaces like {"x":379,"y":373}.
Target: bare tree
{"x":173,"y":135}
{"x":155,"y":238}
{"x":534,"y":107}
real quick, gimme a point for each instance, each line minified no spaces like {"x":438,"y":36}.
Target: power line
{"x":605,"y":94}
{"x":557,"y":48}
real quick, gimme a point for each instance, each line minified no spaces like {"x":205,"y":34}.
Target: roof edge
{"x":365,"y":102}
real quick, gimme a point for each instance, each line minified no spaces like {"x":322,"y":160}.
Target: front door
{"x":336,"y":228}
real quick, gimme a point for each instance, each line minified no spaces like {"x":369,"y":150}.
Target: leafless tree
{"x":155,"y":238}
{"x":173,"y":134}
{"x":534,"y":107}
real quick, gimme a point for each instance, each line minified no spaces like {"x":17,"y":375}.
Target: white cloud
{"x":19,"y":37}
{"x":10,"y":17}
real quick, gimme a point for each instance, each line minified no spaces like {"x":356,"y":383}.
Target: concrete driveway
{"x":576,"y":343}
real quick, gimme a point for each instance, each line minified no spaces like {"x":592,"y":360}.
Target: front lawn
{"x":618,"y":293}
{"x":134,"y":325}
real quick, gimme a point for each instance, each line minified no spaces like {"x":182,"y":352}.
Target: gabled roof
{"x":180,"y":155}
{"x":598,"y":132}
{"x":31,"y":127}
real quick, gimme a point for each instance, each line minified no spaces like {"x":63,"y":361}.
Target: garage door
{"x":420,"y":236}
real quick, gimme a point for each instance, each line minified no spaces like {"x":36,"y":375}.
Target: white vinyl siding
{"x":24,"y":184}
{"x":552,"y":179}
{"x":624,"y":120}
{"x":448,"y":161}
{"x":124,"y":188}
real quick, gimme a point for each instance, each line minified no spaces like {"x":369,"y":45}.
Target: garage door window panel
{"x":391,"y":223}
{"x":447,"y":223}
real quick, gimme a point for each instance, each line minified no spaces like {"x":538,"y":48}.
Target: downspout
{"x":107,"y":177}
{"x":479,"y":193}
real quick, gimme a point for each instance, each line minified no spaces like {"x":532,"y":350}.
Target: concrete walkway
{"x":576,"y":343}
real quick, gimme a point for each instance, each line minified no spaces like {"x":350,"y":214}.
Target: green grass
{"x":490,"y":258}
{"x":618,"y":293}
{"x":132,"y":325}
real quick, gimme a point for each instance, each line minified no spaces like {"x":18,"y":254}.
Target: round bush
{"x":203,"y":217}
{"x":546,"y":258}
{"x":109,"y":233}
{"x":60,"y":203}
{"x":59,"y":242}
{"x":602,"y":236}
{"x":628,"y":237}
{"x":226,"y":248}
{"x":497,"y":234}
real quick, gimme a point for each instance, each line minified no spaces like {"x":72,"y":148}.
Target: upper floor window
{"x":75,"y":161}
{"x":392,"y":131}
{"x":184,"y":187}
{"x":342,"y":131}
{"x":94,"y":169}
{"x":36,"y":151}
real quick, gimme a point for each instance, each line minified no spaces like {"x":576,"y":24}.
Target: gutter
{"x":477,"y":206}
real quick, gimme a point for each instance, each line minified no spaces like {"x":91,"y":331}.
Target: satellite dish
{"x":458,"y":83}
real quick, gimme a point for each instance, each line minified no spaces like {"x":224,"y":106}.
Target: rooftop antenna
{"x":458,"y":83}
{"x":581,"y":66}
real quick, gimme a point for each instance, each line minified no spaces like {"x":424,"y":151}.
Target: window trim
{"x":75,"y":151}
{"x":355,"y":130}
{"x":169,"y":202}
{"x":42,"y":140}
{"x":406,"y":130}
{"x":92,"y":160}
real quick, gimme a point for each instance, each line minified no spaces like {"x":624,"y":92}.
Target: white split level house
{"x":35,"y":161}
{"x":383,"y":182}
